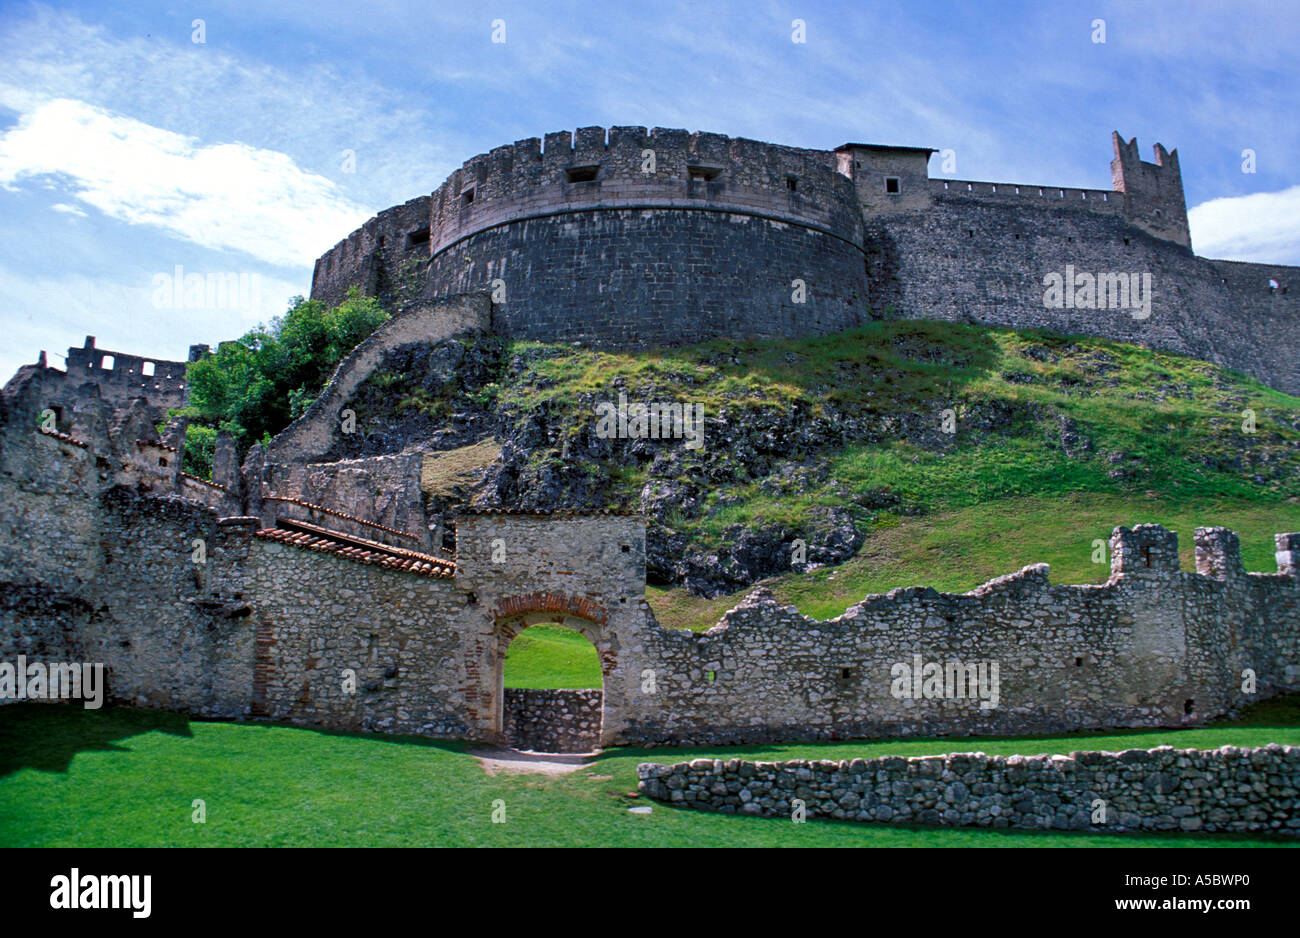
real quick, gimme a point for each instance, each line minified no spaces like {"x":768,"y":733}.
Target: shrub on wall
{"x":257,"y":385}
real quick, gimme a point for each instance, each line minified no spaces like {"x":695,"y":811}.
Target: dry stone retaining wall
{"x":1163,"y":789}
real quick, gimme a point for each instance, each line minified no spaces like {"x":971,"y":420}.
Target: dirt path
{"x":517,"y":762}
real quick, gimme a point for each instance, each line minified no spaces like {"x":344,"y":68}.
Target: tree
{"x":255,"y":386}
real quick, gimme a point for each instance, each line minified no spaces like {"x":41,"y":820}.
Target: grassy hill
{"x":1057,"y":440}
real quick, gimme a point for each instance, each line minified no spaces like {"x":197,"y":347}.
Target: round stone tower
{"x":626,"y":239}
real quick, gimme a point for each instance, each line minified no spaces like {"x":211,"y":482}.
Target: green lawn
{"x":551,"y":656}
{"x":126,"y":777}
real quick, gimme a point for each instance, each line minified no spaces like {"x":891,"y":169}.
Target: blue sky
{"x":128,"y":149}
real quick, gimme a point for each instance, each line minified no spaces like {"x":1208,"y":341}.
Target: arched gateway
{"x":517,"y":573}
{"x":567,"y":720}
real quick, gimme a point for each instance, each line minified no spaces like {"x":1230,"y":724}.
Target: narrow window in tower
{"x":703,"y":173}
{"x":417,"y":237}
{"x":891,"y":185}
{"x":582,"y":173}
{"x":467,"y":196}
{"x":792,"y":183}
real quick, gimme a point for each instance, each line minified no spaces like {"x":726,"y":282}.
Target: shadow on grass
{"x":46,"y":736}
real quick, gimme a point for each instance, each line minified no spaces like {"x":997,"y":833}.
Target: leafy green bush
{"x":200,"y":444}
{"x":255,"y":386}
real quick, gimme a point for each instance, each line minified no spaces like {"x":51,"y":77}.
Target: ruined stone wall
{"x":163,"y":386}
{"x":376,"y":497}
{"x":102,"y":560}
{"x":318,"y":615}
{"x":983,"y":261}
{"x":1163,"y":789}
{"x":1152,"y":647}
{"x":312,"y":436}
{"x":171,"y":632}
{"x":176,"y":633}
{"x":552,"y":720}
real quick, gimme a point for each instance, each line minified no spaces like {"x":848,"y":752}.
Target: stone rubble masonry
{"x":126,"y":380}
{"x":1162,"y":789}
{"x":315,"y":433}
{"x":98,"y":562}
{"x":553,"y":720}
{"x":588,"y":248}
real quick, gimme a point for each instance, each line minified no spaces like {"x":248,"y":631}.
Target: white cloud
{"x":1263,"y":227}
{"x":226,"y":196}
{"x":54,"y":312}
{"x":67,"y":209}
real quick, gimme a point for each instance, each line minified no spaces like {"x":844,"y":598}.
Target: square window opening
{"x":892,"y":185}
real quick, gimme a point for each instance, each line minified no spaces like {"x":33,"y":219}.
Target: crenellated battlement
{"x":628,"y":167}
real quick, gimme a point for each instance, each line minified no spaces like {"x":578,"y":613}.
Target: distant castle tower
{"x":1153,"y":192}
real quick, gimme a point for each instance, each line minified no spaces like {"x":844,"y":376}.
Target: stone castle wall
{"x":579,"y":243}
{"x":552,"y":720}
{"x":982,"y":261}
{"x":102,"y":559}
{"x":1154,"y":646}
{"x":1163,"y":789}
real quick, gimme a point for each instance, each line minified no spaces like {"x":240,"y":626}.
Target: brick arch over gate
{"x":513,"y":614}
{"x":549,"y":602}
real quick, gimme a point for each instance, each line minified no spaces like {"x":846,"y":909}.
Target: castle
{"x":297,"y":586}
{"x":627,"y":238}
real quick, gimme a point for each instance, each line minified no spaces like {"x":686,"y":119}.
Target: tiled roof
{"x":339,"y":514}
{"x":204,"y":482}
{"x":564,"y":513}
{"x":64,"y":438}
{"x":311,"y":537}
